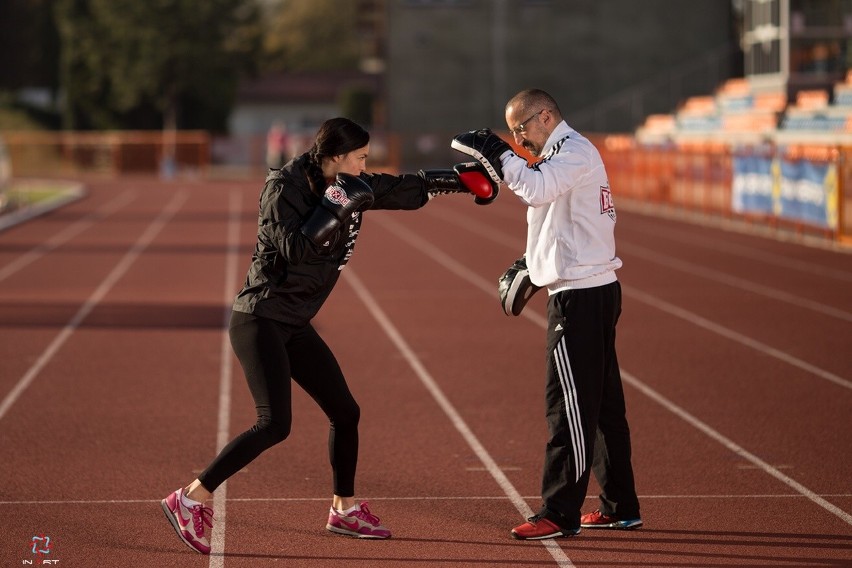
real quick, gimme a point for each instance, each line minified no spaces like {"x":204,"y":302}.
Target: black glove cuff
{"x":442,"y":181}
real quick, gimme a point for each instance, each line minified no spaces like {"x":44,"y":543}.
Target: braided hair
{"x":336,"y":136}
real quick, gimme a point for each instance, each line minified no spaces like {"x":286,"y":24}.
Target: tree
{"x":29,"y":48}
{"x":28,"y":44}
{"x":311,"y":35}
{"x":156,"y":63}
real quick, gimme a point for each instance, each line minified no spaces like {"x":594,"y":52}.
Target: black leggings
{"x":270,"y":353}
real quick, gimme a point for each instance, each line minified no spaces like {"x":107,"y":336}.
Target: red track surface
{"x":735,"y":352}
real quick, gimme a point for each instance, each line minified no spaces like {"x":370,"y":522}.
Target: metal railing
{"x":712,"y":178}
{"x":41,"y":153}
{"x":795,"y":188}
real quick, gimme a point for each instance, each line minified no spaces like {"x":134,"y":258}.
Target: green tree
{"x":155,"y":63}
{"x":311,"y":35}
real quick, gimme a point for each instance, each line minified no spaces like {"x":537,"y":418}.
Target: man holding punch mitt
{"x":570,"y":251}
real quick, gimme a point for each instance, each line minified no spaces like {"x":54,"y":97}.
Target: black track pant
{"x":586,"y":414}
{"x":270,"y":353}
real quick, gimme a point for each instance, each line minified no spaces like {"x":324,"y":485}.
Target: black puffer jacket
{"x":290,"y":278}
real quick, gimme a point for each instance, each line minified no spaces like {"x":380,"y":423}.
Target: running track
{"x":117,"y":385}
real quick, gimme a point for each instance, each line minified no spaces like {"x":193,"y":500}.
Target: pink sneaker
{"x":189,"y":522}
{"x":360,"y":523}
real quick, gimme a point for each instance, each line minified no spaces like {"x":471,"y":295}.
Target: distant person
{"x":277,"y":143}
{"x":570,"y":251}
{"x":310,"y":217}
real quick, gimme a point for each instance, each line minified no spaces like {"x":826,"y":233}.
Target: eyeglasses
{"x":522,"y":127}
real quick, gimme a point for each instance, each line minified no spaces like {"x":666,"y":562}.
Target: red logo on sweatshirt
{"x":607,"y":204}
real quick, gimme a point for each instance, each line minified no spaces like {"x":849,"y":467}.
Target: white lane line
{"x":488,"y":233}
{"x":217,"y":538}
{"x":458,"y":422}
{"x":443,"y":259}
{"x":734,"y":447}
{"x":798,"y":300}
{"x":413,"y":498}
{"x":653,"y":228}
{"x":66,"y":234}
{"x":457,"y":268}
{"x":734,"y":336}
{"x":105,"y":286}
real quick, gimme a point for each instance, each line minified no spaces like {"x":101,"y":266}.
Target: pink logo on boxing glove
{"x":336,"y":195}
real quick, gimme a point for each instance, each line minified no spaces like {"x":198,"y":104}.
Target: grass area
{"x":16,"y":119}
{"x":31,"y":195}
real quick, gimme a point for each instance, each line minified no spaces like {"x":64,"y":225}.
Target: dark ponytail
{"x":335,"y":137}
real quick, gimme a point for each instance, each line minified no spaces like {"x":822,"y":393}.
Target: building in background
{"x":435,"y":67}
{"x":796,"y":45}
{"x":439,"y":66}
{"x":298,"y":101}
{"x":796,"y":86}
{"x":453,"y":64}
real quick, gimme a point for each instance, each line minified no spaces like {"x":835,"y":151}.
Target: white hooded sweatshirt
{"x":571,"y":215}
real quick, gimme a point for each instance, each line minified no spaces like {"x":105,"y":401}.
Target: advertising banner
{"x":808,"y":192}
{"x":795,"y":189}
{"x":752,"y":184}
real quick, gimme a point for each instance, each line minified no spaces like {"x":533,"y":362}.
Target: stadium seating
{"x":740,"y":113}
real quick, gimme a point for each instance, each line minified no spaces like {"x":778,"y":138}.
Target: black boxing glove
{"x":347,"y":195}
{"x":469,"y":177}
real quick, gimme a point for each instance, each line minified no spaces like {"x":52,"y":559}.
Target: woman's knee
{"x":347,"y":417}
{"x":273,"y":431}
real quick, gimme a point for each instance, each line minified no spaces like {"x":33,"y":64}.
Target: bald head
{"x":532,"y":100}
{"x":532,"y":115}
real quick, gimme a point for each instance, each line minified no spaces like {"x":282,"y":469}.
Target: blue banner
{"x":799,"y":190}
{"x":808,"y":192}
{"x":752,"y":184}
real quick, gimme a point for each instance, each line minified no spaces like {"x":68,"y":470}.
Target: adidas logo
{"x":558,"y":327}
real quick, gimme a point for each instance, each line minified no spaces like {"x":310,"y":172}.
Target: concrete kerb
{"x":67,"y":192}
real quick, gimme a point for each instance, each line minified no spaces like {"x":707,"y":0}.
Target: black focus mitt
{"x":515,"y":288}
{"x":486,"y":147}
